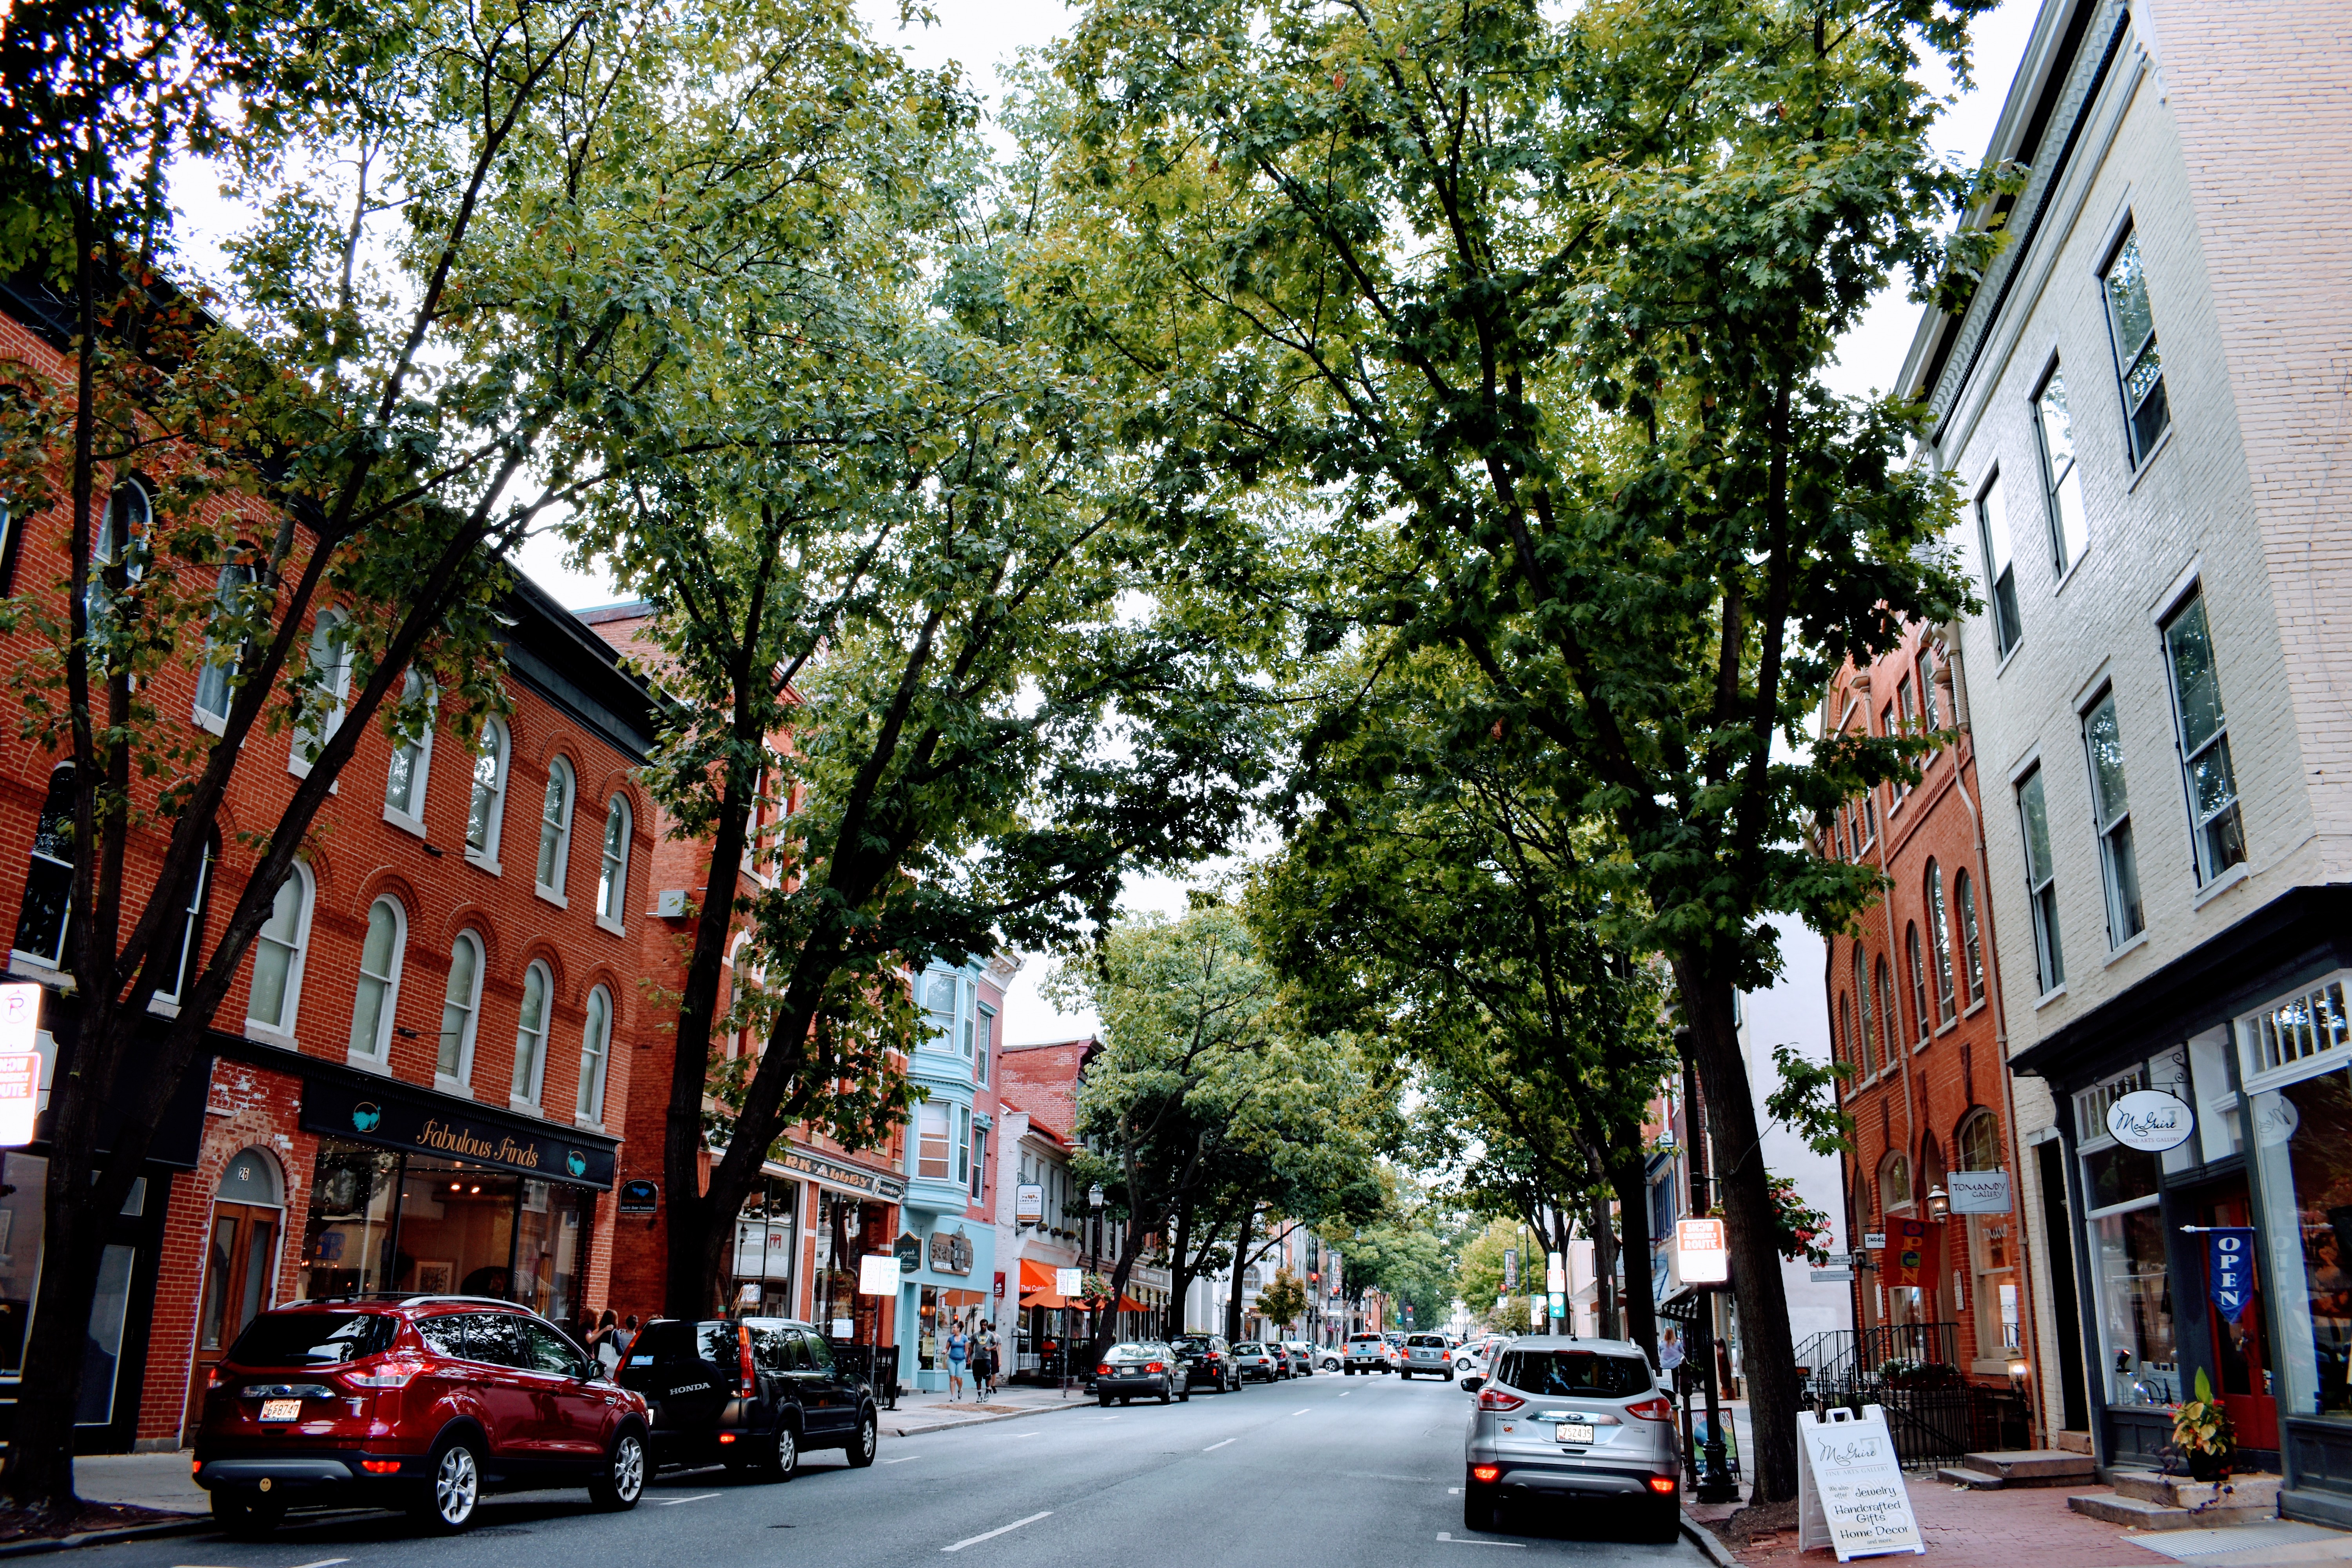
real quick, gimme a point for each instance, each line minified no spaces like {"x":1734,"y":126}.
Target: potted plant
{"x":2202,"y":1433}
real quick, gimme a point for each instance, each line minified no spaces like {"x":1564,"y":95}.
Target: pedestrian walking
{"x":959,"y":1358}
{"x":605,"y":1344}
{"x":628,"y":1335}
{"x":983,"y":1364}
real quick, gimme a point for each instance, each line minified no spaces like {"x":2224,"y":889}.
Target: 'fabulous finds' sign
{"x":1850,"y":1491}
{"x":433,"y":1125}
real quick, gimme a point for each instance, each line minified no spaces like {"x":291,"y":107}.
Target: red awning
{"x":1035,"y":1276}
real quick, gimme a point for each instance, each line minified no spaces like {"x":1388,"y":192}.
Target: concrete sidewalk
{"x":919,"y":1412}
{"x":142,"y":1480}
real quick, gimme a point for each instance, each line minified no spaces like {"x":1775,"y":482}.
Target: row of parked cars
{"x":1176,"y":1369}
{"x":426,"y":1403}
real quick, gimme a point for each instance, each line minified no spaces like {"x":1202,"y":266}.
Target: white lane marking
{"x":1453,"y":1491}
{"x":902,"y":1459}
{"x":698,"y":1497}
{"x":1215,"y":1446}
{"x":1450,"y":1541}
{"x":1302,"y":1412}
{"x":324,"y":1563}
{"x":1024,"y":1434}
{"x":1000,"y":1530}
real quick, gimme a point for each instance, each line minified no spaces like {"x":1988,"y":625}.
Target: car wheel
{"x":247,"y":1517}
{"x":784,"y":1454}
{"x":1164,"y":1395}
{"x":622,"y":1481}
{"x":454,"y":1491}
{"x":1449,"y":1377}
{"x":1665,"y":1523}
{"x":1106,"y":1400}
{"x":867,"y":1440}
{"x":1478,"y":1506}
{"x":1125,"y":1400}
{"x":1184,"y":1395}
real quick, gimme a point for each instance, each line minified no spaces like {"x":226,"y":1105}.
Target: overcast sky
{"x":982,"y":33}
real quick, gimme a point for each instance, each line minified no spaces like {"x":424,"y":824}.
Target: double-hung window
{"x":1865,"y":1056}
{"x":325,"y":690}
{"x":2062,"y":482}
{"x":217,"y":682}
{"x":2001,"y":568}
{"x":531,"y":1038}
{"x":43,"y":918}
{"x":2137,"y":364}
{"x":555,"y":829}
{"x":412,"y":755}
{"x":2214,"y":819}
{"x":2041,"y":882}
{"x":2111,"y":807}
{"x":932,"y":1159}
{"x":1939,"y":940}
{"x":378,"y":993}
{"x":483,"y":814}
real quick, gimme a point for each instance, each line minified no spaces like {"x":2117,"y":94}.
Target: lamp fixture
{"x":1940,"y":1205}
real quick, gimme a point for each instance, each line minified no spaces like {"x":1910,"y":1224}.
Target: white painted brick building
{"x":2191,"y":174}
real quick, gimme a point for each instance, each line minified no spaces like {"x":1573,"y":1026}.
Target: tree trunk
{"x":1604,"y":1265}
{"x":1769,"y":1351}
{"x":1180,"y":1269}
{"x":1130,"y":1247}
{"x":1241,"y":1252}
{"x":1630,"y":1176}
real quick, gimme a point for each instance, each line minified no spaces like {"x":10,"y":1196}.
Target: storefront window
{"x":347,"y":1239}
{"x":848,"y":1228}
{"x":552,"y":1248}
{"x":767,"y":1239}
{"x":2303,"y":1136}
{"x":456,"y":1229}
{"x":2135,"y":1306}
{"x":24,"y":1187}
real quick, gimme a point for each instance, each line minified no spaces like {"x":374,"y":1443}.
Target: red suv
{"x":421,"y":1402}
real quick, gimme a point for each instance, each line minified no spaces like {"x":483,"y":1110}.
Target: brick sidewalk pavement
{"x":2024,"y":1528}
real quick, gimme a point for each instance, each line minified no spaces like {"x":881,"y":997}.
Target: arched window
{"x":251,"y":1177}
{"x":1977,"y":1143}
{"x":1864,"y":1049}
{"x":531,"y":1035}
{"x":1993,"y":1249}
{"x":328,"y":686}
{"x":489,"y":794}
{"x":121,"y":540}
{"x":278,"y":950}
{"x":1918,"y":979}
{"x":596,"y":1048}
{"x":1939,"y":937}
{"x":48,"y":878}
{"x":555,"y":828}
{"x":216,"y":683}
{"x":460,"y":1005}
{"x":1971,"y":943}
{"x":190,"y":939}
{"x":1843,"y":1044}
{"x":613,"y":877}
{"x":412,"y":761}
{"x":1893,"y":1180}
{"x":379,"y":988}
{"x":1890,"y":1018}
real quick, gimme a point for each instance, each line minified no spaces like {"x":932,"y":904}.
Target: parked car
{"x":1427,"y":1354}
{"x":752,"y":1392}
{"x":1471,"y":1353}
{"x":1255,"y":1361}
{"x":1302,"y":1357}
{"x":1568,"y":1423}
{"x":1366,"y":1353}
{"x":1327,"y":1358}
{"x":1141,"y":1366}
{"x":417,"y":1402}
{"x":1209,"y":1363}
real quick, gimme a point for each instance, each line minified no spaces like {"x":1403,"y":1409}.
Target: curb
{"x":191,"y":1525}
{"x":1709,"y":1542}
{"x":984,"y":1420}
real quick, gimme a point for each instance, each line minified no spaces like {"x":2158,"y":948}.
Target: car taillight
{"x":212,"y":1379}
{"x":1155,"y":1366}
{"x":1661,"y":1408}
{"x":1214,"y":1356}
{"x":745,"y":1371}
{"x":1661,"y":1484}
{"x":391,"y":1375}
{"x":1103,"y":1371}
{"x":381,"y":1467}
{"x":1495,"y":1399}
{"x":1484,"y":1472}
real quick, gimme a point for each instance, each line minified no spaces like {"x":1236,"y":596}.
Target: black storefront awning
{"x":365,"y":1108}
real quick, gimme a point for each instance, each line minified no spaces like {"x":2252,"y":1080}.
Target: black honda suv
{"x":752,"y":1392}
{"x":1209,"y":1363}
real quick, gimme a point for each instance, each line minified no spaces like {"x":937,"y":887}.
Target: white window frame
{"x":339,"y":683}
{"x":377,"y":1053}
{"x":1992,"y":526}
{"x":559,"y":766}
{"x":979,"y":1163}
{"x":986,"y":1027}
{"x":104,"y":545}
{"x":282,"y":1028}
{"x":963,"y":1145}
{"x":925,"y":1113}
{"x":54,"y":964}
{"x":596,"y":1054}
{"x":233,"y":577}
{"x":486,"y":855}
{"x":2200,"y":843}
{"x":2048,"y":935}
{"x":2113,"y":861}
{"x":2062,"y":479}
{"x":530,"y":1101}
{"x":2300,"y":1035}
{"x":414,"y":688}
{"x":461,"y":1082}
{"x":191,"y":934}
{"x":613,"y":866}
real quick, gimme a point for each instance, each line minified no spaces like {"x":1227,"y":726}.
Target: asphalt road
{"x":1356,"y":1471}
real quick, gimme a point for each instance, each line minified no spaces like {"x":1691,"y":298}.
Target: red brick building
{"x":1915,"y":1011}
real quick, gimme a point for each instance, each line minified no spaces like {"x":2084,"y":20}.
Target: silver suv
{"x":1573,"y":1421}
{"x":1428,"y":1353}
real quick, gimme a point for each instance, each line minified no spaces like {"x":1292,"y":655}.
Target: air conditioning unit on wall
{"x":669,"y":903}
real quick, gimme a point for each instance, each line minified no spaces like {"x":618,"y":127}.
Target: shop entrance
{"x":240,"y":1265}
{"x":2241,"y":1375}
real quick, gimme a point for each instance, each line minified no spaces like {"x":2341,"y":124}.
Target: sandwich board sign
{"x":1850,"y":1491}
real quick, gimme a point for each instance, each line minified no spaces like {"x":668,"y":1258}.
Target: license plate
{"x":1576,"y":1431}
{"x":281,"y":1410}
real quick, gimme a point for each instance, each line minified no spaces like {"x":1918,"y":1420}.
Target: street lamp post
{"x":1094,"y":1247}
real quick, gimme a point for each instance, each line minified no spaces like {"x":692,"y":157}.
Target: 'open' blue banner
{"x":2230,"y":1269}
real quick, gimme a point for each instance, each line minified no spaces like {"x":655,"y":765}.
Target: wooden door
{"x":240,"y":1263}
{"x":2241,"y":1358}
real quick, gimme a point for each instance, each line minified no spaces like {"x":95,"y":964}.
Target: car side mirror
{"x":1472,"y":1384}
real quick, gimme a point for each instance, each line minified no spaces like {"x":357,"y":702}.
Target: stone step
{"x":2031,"y":1467}
{"x":1975,"y":1480}
{"x":2138,"y":1513}
{"x":2072,"y":1442}
{"x":2249,"y":1490}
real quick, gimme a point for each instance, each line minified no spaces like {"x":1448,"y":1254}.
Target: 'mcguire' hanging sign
{"x":2150,"y":1121}
{"x":2230,"y":1269}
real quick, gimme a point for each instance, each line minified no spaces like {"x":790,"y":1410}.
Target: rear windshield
{"x":1575,"y":1372}
{"x":1427,"y":1342}
{"x":1363,"y":1339}
{"x":1193,"y":1342}
{"x":1131,"y":1350}
{"x":312,"y":1339}
{"x":1248,"y":1347}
